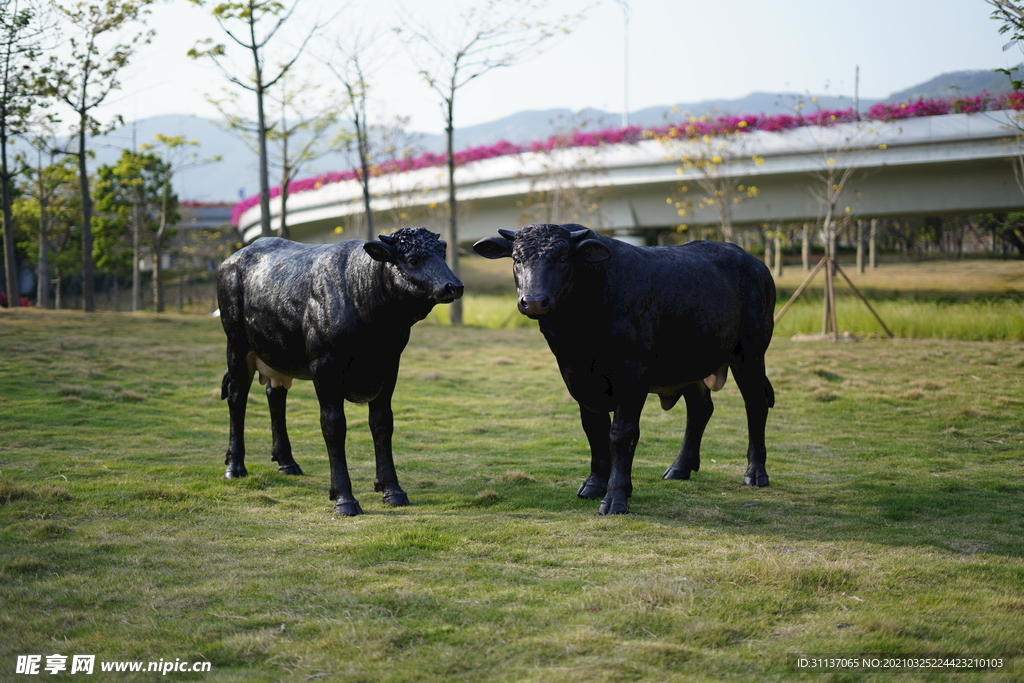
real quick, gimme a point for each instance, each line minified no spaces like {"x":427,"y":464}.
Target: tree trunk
{"x":805,"y":249}
{"x":778,"y":255}
{"x":158,"y":276}
{"x":43,"y":264}
{"x":455,"y":307}
{"x":261,"y":133}
{"x":768,"y":248}
{"x":10,"y":262}
{"x":136,"y":268}
{"x":286,"y":172}
{"x":181,"y":290}
{"x":872,"y":244}
{"x":56,"y":292}
{"x":860,"y":247}
{"x":364,"y":165}
{"x":88,"y":297}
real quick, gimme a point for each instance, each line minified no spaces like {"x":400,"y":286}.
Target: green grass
{"x":980,"y":320}
{"x":893,"y":523}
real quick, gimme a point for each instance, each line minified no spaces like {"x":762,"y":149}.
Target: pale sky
{"x":680,"y":51}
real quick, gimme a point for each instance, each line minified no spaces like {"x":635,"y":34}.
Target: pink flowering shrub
{"x":693,"y":127}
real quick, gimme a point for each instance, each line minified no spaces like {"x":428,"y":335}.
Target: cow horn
{"x":510,"y":235}
{"x":386,"y":239}
{"x":577,"y":235}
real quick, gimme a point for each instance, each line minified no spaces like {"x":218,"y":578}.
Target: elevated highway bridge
{"x":935,"y":165}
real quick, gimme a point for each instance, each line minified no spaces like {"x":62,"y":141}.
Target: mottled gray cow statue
{"x":338,"y":315}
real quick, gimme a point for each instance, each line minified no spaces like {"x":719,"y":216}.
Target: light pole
{"x":625,"y":60}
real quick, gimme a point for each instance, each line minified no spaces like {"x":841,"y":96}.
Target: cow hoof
{"x":613,"y":507}
{"x":236,"y":471}
{"x":673,"y":473}
{"x":290,"y":468}
{"x":347,"y":508}
{"x":591,"y":489}
{"x":759,"y":480}
{"x":396,"y":499}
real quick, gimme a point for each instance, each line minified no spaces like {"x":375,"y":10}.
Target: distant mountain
{"x":967,"y":83}
{"x":235,"y":175}
{"x":532,"y":125}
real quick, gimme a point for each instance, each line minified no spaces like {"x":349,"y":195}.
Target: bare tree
{"x":476,"y":41}
{"x":259,"y":21}
{"x":559,"y":187}
{"x":715,"y":161}
{"x":84,"y":82}
{"x":307,"y":117}
{"x":350,"y":62}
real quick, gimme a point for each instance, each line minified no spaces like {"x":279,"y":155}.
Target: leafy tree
{"x":41,"y":189}
{"x":23,"y":24}
{"x":252,"y":25}
{"x":476,"y":41}
{"x":98,"y":52}
{"x":49,"y":211}
{"x":1011,"y":16}
{"x":135,"y":197}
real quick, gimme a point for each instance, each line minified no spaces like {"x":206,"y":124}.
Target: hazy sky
{"x":680,"y":50}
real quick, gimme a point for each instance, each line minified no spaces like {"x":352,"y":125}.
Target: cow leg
{"x":281,"y":451}
{"x":332,"y":423}
{"x":235,"y":388}
{"x":623,"y":437}
{"x":596,"y":425}
{"x":758,"y":396}
{"x":699,"y":408}
{"x":382,"y":427}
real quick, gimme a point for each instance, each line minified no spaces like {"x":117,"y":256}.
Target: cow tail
{"x":225,"y":386}
{"x":769,"y":393}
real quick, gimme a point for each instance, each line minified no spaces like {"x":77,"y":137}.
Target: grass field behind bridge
{"x":894,"y":523}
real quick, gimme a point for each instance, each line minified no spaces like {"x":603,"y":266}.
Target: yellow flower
{"x":681,"y":228}
{"x":883,"y":146}
{"x":338,"y":230}
{"x":668,"y":200}
{"x":716,"y":160}
{"x":830,"y":161}
{"x":681,"y":212}
{"x":742,"y":124}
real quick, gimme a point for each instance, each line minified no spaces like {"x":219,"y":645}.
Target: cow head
{"x":417,"y":257}
{"x":543,"y":260}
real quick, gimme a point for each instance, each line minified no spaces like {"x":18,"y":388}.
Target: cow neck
{"x":381,"y":296}
{"x":581,"y":308}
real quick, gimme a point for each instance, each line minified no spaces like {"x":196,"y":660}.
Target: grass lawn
{"x":894,"y":523}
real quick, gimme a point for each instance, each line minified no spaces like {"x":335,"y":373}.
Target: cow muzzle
{"x":533,"y":306}
{"x":450,"y":292}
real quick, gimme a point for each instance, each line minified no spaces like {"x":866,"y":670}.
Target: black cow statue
{"x":625,"y":322}
{"x":336,"y":314}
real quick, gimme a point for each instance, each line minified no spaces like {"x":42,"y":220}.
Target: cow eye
{"x":414,"y":262}
{"x":563,"y":259}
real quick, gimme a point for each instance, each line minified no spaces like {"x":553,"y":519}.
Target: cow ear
{"x":592,"y":251}
{"x":379,"y":251}
{"x":493,"y":247}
